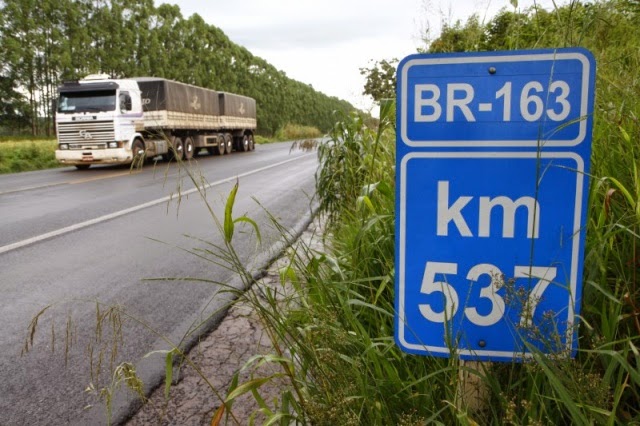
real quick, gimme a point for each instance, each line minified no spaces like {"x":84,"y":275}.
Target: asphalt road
{"x":80,"y":242}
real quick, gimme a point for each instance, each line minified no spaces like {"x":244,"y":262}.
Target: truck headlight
{"x":64,"y":146}
{"x":112,"y":144}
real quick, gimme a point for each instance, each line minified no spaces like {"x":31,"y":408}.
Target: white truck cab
{"x":97,"y":121}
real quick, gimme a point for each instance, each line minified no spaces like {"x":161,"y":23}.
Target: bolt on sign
{"x":493,"y":156}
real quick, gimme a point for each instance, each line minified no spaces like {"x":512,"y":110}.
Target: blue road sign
{"x":510,"y":99}
{"x":490,"y":215}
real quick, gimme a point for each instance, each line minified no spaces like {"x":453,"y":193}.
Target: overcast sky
{"x":325,"y":42}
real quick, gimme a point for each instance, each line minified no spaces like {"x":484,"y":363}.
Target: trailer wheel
{"x":189,"y":149}
{"x":229,"y":143}
{"x":245,"y":144}
{"x":252,"y":144}
{"x":221,"y":144}
{"x":178,"y":149}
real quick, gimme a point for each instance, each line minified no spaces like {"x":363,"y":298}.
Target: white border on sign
{"x":496,"y":59}
{"x":573,"y":276}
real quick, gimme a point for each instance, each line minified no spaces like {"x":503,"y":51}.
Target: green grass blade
{"x":228,"y":213}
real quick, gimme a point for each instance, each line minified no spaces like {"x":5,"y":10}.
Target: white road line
{"x":133,"y":209}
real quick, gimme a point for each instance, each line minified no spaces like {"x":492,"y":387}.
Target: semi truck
{"x":100,"y":120}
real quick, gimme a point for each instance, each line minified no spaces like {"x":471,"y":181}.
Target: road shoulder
{"x":220,"y":355}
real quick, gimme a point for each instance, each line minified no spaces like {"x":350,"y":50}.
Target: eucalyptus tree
{"x":137,"y":21}
{"x":14,"y":109}
{"x":194,"y":52}
{"x":77,"y":42}
{"x":233,"y":63}
{"x":167,"y":36}
{"x":49,"y":56}
{"x":19,"y":47}
{"x":113,"y":42}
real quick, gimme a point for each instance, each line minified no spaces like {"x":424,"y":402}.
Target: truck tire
{"x":178,"y":149}
{"x":189,"y":148}
{"x":221,"y":144}
{"x":82,"y":166}
{"x":245,"y":143}
{"x":252,"y":144}
{"x":137,"y":149}
{"x":229,"y":143}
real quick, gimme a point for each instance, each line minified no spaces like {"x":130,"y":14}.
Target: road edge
{"x":152,"y":370}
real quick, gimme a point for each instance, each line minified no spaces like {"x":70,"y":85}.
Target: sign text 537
{"x":539,"y":279}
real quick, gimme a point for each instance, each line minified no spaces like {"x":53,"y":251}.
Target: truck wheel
{"x":252,"y":144}
{"x":178,"y":149}
{"x":138,"y":153}
{"x":221,"y":144}
{"x":189,"y":149}
{"x":245,"y":143}
{"x":229,"y":142}
{"x":82,"y":166}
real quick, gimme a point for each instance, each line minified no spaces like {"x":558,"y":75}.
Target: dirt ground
{"x":192,"y":401}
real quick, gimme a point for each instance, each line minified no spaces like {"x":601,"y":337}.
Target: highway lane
{"x":130,"y":232}
{"x":40,"y":202}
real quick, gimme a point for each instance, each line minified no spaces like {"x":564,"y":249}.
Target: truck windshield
{"x":87,"y":101}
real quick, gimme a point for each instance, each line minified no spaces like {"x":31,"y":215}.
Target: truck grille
{"x":87,"y":134}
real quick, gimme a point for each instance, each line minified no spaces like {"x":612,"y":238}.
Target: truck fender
{"x":132,"y":140}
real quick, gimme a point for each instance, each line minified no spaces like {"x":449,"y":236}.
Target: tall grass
{"x":335,"y":343}
{"x":27,"y":155}
{"x":291,"y":132}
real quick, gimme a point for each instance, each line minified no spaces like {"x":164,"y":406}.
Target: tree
{"x":381,"y":80}
{"x":14,"y":108}
{"x":19,"y":49}
{"x":459,"y":37}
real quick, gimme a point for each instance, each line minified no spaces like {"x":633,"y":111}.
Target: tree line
{"x":44,"y":42}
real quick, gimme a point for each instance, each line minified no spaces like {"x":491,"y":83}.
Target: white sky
{"x":325,"y":43}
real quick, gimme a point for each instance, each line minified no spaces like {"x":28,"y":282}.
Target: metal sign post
{"x":493,"y":153}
